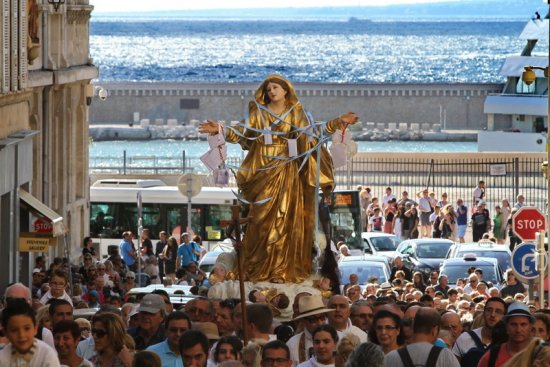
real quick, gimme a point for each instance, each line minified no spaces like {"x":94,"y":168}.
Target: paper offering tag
{"x":338,"y":136}
{"x":221,"y":176}
{"x":292,"y":147}
{"x":338,"y":153}
{"x":268,"y":139}
{"x":215,"y":141}
{"x":212,"y":159}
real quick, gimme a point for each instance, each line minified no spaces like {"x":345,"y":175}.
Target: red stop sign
{"x":527,"y":221}
{"x":41,"y":225}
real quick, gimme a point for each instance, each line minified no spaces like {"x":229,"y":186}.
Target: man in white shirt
{"x":340,"y":318}
{"x":478,"y":193}
{"x":387,"y":197}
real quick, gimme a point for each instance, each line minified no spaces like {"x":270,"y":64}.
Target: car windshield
{"x":454,"y":272}
{"x":434,"y":250}
{"x":502,"y":256}
{"x":364,"y":270}
{"x":384,"y":243}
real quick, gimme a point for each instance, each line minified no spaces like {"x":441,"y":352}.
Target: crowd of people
{"x":427,"y":216}
{"x":418,"y":321}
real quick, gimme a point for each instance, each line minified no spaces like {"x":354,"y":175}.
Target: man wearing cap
{"x":151,"y":315}
{"x":339,"y":319}
{"x":311,"y":313}
{"x":494,"y":310}
{"x":519,"y":323}
{"x":176,"y":324}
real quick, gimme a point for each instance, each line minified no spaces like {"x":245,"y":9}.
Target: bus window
{"x":110,"y":220}
{"x":214,"y":215}
{"x":177,"y":216}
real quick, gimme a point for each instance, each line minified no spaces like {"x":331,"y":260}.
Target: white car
{"x":379,"y":244}
{"x":483,"y":249}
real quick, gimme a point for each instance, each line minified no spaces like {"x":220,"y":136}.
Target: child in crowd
{"x":376,"y":222}
{"x":19,"y":325}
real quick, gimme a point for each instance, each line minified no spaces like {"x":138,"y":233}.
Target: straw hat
{"x":311,"y":305}
{"x":207,"y":328}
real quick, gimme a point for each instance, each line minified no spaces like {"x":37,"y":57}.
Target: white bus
{"x":113,"y":210}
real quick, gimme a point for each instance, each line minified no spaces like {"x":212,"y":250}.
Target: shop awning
{"x":42,"y":210}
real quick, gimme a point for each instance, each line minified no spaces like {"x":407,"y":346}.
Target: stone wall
{"x":456,"y":106}
{"x":46,"y":103}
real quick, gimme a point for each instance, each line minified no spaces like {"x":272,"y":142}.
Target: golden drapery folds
{"x":278,"y":244}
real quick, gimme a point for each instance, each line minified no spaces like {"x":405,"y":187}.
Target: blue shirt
{"x":125,"y":248}
{"x":167,"y":357}
{"x":186,"y":254}
{"x":462,"y":218}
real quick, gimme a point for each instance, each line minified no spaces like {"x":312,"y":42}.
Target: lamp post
{"x":529,"y":77}
{"x":56,"y":3}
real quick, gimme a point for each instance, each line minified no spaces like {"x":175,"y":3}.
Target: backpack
{"x":471,"y":358}
{"x":430,"y":362}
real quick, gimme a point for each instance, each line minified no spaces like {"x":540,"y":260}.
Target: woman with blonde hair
{"x":537,"y":354}
{"x":43,"y":317}
{"x":109,"y":333}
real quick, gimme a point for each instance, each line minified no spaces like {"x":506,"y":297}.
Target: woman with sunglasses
{"x":386,"y":331}
{"x":108,"y":332}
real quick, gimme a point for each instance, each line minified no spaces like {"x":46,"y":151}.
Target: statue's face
{"x":275,"y":92}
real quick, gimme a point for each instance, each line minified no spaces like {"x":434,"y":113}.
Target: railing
{"x":505,"y":176}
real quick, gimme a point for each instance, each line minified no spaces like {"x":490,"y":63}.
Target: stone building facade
{"x":45,"y":92}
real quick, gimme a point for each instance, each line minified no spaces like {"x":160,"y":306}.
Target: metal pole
{"x":531,"y":283}
{"x":541,"y":268}
{"x":183,"y":161}
{"x":236,"y":216}
{"x":189,"y":194}
{"x":124,"y":163}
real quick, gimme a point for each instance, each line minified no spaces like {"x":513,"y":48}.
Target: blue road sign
{"x":525,"y":262}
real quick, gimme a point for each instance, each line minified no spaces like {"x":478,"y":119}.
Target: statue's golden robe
{"x":278,"y":244}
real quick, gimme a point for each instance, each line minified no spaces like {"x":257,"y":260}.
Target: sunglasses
{"x":406,"y":321}
{"x":99,"y":333}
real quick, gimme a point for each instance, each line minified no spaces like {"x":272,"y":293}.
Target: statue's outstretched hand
{"x":209,"y":127}
{"x":349,"y":118}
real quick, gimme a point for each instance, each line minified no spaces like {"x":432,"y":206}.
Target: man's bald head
{"x":18,"y":290}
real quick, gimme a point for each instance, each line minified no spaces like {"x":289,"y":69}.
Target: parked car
{"x":365,"y":267}
{"x":379,"y":243}
{"x":424,"y":255}
{"x":483,"y":249}
{"x":179,"y":294}
{"x":455,"y":268}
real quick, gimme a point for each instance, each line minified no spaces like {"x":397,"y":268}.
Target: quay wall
{"x":454,"y":106}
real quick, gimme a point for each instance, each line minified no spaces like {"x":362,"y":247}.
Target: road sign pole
{"x":531,"y":285}
{"x":541,"y":255}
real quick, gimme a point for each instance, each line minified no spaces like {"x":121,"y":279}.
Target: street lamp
{"x":56,"y":3}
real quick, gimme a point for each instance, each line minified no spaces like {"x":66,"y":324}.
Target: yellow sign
{"x":33,"y":244}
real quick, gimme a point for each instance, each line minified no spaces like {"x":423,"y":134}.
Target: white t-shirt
{"x":312,"y":362}
{"x":44,"y":356}
{"x":464,"y":343}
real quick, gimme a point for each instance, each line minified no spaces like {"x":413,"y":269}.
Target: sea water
{"x":325,"y":51}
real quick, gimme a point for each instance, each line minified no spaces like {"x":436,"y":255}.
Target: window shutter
{"x":5,"y":50}
{"x":14,"y":45}
{"x":23,"y":29}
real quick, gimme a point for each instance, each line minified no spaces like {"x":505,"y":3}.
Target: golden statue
{"x":279,"y":136}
